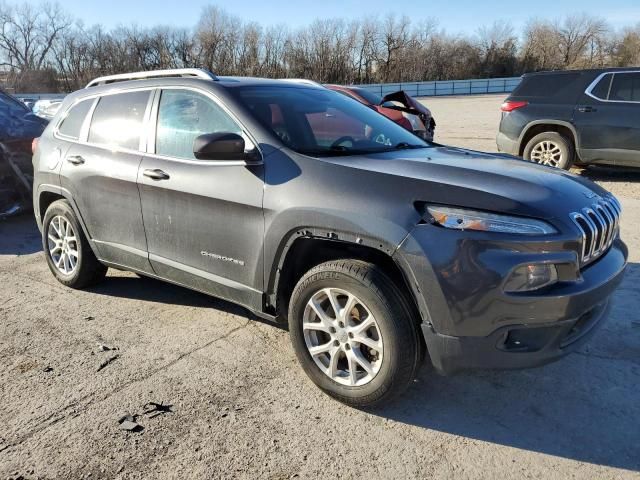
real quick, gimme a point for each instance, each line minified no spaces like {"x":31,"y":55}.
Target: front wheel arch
{"x":305,"y":252}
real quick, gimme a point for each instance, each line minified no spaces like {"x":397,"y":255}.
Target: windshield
{"x":323,"y":122}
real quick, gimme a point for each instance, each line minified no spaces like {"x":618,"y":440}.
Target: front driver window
{"x":182,"y":116}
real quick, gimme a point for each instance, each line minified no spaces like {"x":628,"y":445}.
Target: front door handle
{"x":75,"y":159}
{"x":587,"y":109}
{"x":156,"y":174}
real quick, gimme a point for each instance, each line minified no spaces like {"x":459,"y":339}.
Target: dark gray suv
{"x":307,"y":207}
{"x":584,"y":117}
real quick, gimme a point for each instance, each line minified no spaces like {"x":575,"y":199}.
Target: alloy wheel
{"x":342,"y":337}
{"x":63,"y":244}
{"x":547,"y":153}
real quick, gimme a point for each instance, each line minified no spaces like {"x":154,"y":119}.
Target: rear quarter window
{"x":72,"y":122}
{"x":118,"y":119}
{"x":546,"y":85}
{"x":601,"y":90}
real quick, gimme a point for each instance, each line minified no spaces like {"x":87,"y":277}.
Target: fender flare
{"x":275,"y":268}
{"x":560,"y":123}
{"x":66,"y":194}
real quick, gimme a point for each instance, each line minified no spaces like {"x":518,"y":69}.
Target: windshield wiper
{"x":406,"y":145}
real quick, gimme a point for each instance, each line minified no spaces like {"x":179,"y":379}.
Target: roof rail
{"x":178,"y":72}
{"x":305,"y":81}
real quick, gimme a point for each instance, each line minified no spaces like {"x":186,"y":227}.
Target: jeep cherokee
{"x":376,"y":247}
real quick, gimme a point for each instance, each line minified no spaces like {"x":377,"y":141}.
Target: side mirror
{"x":219,"y":146}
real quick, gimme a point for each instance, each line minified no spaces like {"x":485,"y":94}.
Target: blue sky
{"x":463,"y":16}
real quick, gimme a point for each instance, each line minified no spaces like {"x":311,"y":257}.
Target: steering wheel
{"x":283,"y":134}
{"x":343,"y":139}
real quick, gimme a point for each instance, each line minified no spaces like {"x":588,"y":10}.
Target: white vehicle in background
{"x":28,"y":101}
{"x":47,"y":108}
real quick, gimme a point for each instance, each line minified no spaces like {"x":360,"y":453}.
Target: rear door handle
{"x":156,"y":174}
{"x":75,"y":159}
{"x":587,"y":109}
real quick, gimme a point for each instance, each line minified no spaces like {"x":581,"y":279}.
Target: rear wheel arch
{"x":46,"y":198}
{"x":47,"y":194}
{"x":565,"y":129}
{"x":68,"y":252}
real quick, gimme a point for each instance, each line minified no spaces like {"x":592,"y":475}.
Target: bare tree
{"x":576,"y":34}
{"x":625,"y":49}
{"x":27,"y":34}
{"x":498,"y":49}
{"x":45,"y":47}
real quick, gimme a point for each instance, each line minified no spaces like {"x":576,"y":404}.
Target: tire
{"x":550,"y":148}
{"x":85,"y":270}
{"x":398,"y":350}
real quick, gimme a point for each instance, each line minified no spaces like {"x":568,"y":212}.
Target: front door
{"x":203,"y":218}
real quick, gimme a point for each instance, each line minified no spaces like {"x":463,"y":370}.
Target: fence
{"x":447,"y":87}
{"x":415,"y":89}
{"x":40,"y":96}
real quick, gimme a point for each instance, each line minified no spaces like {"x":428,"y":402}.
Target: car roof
{"x":231,"y":81}
{"x":594,"y":71}
{"x":217,"y":82}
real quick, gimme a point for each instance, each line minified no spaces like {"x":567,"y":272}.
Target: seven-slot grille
{"x":598,"y":224}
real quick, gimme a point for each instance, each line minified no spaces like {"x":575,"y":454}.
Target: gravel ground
{"x":237,"y":405}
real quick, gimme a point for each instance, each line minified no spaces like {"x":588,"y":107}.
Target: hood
{"x":471,"y":179}
{"x":410,"y":105}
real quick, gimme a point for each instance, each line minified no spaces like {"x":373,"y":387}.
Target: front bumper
{"x":517,"y":346}
{"x":470,"y":322}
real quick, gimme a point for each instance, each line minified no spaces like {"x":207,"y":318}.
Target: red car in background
{"x":398,"y":106}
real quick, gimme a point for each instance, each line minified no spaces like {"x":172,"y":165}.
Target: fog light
{"x":531,"y":277}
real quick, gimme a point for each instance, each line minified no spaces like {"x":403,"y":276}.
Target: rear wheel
{"x":353,"y":332}
{"x":67,"y":250}
{"x":550,"y":148}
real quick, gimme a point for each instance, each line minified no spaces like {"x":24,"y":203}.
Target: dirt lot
{"x":241,"y":407}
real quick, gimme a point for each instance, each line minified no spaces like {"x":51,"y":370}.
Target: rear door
{"x":607,"y":119}
{"x":100,"y":171}
{"x":203,"y":218}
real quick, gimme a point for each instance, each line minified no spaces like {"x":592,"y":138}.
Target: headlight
{"x":460,"y":219}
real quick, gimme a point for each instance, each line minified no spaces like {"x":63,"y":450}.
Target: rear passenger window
{"x":182,"y":116}
{"x":117,"y":120}
{"x":625,"y":87}
{"x":601,"y":90}
{"x":72,"y":123}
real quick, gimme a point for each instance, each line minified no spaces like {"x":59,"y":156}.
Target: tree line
{"x":44,"y":48}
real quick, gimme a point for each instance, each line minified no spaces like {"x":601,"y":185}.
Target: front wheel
{"x":353,"y":332}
